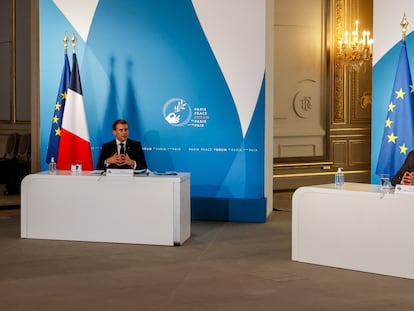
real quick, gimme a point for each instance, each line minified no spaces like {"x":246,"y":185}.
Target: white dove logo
{"x":172,"y":118}
{"x":177,"y":112}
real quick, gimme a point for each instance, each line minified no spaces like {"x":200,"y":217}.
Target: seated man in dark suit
{"x":405,"y":174}
{"x":121,"y":152}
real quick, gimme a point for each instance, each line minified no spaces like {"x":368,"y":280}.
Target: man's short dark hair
{"x":119,"y":121}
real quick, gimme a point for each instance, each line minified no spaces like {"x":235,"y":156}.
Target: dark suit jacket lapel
{"x":114,"y":147}
{"x":128,"y":146}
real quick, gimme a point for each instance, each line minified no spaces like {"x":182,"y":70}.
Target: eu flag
{"x":398,"y":137}
{"x":56,"y":128}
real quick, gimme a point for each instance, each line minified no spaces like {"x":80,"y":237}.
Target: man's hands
{"x":408,"y":178}
{"x":120,"y":159}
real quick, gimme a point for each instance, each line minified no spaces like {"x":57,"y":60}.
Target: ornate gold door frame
{"x":351,"y":88}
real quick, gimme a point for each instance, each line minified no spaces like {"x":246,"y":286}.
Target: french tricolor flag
{"x":75,"y":146}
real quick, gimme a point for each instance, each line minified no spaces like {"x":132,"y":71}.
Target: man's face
{"x":121,"y":132}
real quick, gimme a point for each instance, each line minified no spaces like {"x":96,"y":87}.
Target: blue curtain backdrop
{"x":150,"y":63}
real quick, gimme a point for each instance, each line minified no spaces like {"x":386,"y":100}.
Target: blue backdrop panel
{"x":149,"y":62}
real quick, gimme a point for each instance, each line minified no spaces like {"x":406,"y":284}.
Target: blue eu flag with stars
{"x":56,"y":128}
{"x":398,"y":137}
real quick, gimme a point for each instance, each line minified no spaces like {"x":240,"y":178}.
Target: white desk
{"x":139,"y":210}
{"x":356,"y":228}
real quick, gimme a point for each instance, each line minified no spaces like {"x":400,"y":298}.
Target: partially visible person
{"x":405,"y":175}
{"x":121,"y":152}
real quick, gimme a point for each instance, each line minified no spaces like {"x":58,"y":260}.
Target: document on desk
{"x":142,"y":171}
{"x":165,"y":172}
{"x":96,"y":173}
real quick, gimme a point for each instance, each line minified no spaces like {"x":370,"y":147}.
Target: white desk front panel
{"x":140,"y":210}
{"x":356,"y":228}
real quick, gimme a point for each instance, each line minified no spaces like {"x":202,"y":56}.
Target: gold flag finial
{"x":404,"y":24}
{"x":65,"y":43}
{"x":74,"y":43}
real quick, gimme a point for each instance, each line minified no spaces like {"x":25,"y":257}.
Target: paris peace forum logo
{"x":177,"y":112}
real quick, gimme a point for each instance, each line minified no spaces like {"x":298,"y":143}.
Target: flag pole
{"x":74,"y":44}
{"x":404,"y":25}
{"x":65,"y":43}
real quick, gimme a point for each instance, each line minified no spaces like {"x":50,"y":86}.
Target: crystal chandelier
{"x":355,"y":49}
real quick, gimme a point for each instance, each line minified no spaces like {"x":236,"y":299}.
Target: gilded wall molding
{"x":339,"y":81}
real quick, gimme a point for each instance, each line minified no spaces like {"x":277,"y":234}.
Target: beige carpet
{"x":223,"y":266}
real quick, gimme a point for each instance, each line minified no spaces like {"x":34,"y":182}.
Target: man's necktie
{"x":122,"y":150}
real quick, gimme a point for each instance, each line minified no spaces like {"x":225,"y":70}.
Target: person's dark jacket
{"x":408,"y":166}
{"x":133,"y":149}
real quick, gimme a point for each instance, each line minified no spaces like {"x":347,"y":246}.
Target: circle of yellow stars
{"x":58,"y":131}
{"x":392,"y":138}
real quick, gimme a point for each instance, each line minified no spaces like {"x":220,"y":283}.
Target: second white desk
{"x":357,"y":228}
